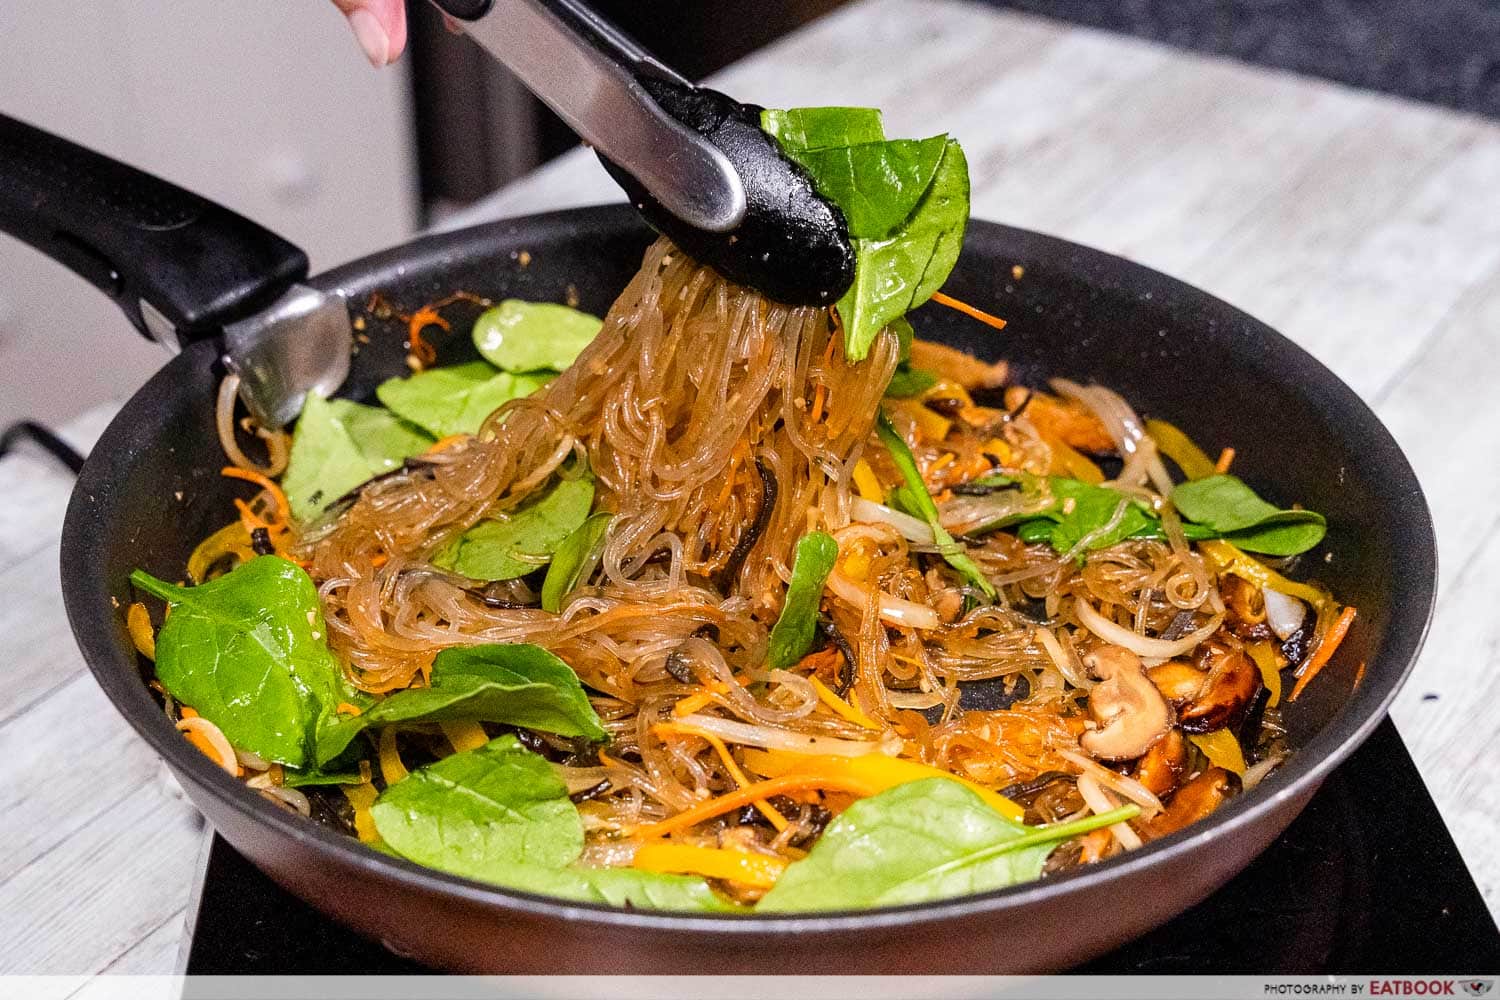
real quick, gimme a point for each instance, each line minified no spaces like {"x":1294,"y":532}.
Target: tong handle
{"x":179,"y":266}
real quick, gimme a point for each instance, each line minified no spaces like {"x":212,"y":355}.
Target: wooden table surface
{"x":1364,"y":227}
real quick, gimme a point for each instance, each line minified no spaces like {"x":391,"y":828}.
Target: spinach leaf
{"x":1091,"y":509}
{"x":622,"y":887}
{"x":519,"y":336}
{"x":915,"y":497}
{"x":524,"y":541}
{"x":797,"y":625}
{"x":518,"y":684}
{"x":817,"y":128}
{"x":876,"y":184}
{"x":907,"y":381}
{"x":574,"y":560}
{"x":1224,"y":504}
{"x":482,"y":813}
{"x":920,"y":841}
{"x":338,"y":445}
{"x":293,"y":778}
{"x":897,"y":273}
{"x":246,"y":650}
{"x":455,"y":400}
{"x":499,"y":814}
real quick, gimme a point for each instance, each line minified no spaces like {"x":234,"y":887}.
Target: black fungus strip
{"x":1013,"y":414}
{"x":1023,"y":790}
{"x":499,"y":603}
{"x":1180,"y":625}
{"x":976,"y":489}
{"x":845,"y":678}
{"x":678,"y":667}
{"x":592,"y":792}
{"x":260,"y":542}
{"x":748,"y":538}
{"x":1297,"y":644}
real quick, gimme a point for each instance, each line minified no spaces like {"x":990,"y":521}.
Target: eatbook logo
{"x":1477,"y":987}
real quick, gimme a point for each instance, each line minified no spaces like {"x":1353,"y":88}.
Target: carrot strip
{"x":765,"y":808}
{"x":444,"y":443}
{"x":1324,"y":652}
{"x":1226,"y":457}
{"x":842,"y":707}
{"x":968,"y":310}
{"x":739,"y":798}
{"x":283,"y":508}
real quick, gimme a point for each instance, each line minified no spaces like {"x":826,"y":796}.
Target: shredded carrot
{"x":841,"y":707}
{"x":1359,"y":674}
{"x":1225,"y":458}
{"x":968,"y":310}
{"x":283,"y":509}
{"x":694,"y":702}
{"x":743,"y":797}
{"x":138,"y":624}
{"x":444,"y":443}
{"x":766,"y":809}
{"x":424,"y":317}
{"x":759,"y":871}
{"x":345,"y":708}
{"x":1324,"y":652}
{"x":875,"y":773}
{"x":188,"y":712}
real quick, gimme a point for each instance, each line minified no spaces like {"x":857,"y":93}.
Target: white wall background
{"x":265,"y":105}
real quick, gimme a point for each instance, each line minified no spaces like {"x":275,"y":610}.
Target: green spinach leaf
{"x":518,"y":684}
{"x":918,"y":501}
{"x":519,"y":336}
{"x":897,"y":273}
{"x":499,"y":814}
{"x":1228,"y":507}
{"x":1090,"y":509}
{"x":455,"y":400}
{"x":482,"y":813}
{"x":907,"y":381}
{"x":338,"y":445}
{"x":876,"y":184}
{"x":797,"y":625}
{"x":247,"y":651}
{"x":526,"y":539}
{"x":574,"y":560}
{"x":818,"y":128}
{"x":918,"y":842}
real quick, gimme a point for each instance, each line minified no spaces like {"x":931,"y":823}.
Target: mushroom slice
{"x":1193,"y":801}
{"x":1130,"y":712}
{"x":1177,"y":681}
{"x":1163,"y":765}
{"x":1233,"y":679}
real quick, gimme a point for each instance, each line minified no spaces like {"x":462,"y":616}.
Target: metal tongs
{"x":693,"y":161}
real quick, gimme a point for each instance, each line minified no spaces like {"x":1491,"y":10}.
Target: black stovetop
{"x":1366,"y":880}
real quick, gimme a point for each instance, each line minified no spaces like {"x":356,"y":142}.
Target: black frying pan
{"x":1174,"y":351}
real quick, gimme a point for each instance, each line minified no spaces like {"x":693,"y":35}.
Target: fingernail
{"x":371,"y":37}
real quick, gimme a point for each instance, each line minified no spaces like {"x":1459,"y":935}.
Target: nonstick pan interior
{"x":151,"y":490}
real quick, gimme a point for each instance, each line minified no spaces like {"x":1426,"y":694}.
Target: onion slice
{"x":780,"y":739}
{"x":896,"y":610}
{"x":911,"y":528}
{"x":1128,"y":787}
{"x":1099,"y":803}
{"x":1141,"y":645}
{"x":1284,"y":614}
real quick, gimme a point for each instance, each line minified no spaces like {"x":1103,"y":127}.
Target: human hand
{"x":378,"y":25}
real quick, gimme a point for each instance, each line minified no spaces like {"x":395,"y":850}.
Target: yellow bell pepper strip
{"x":870,"y":774}
{"x":138,"y":624}
{"x":1177,"y":446}
{"x":841,"y":707}
{"x":361,"y":797}
{"x":391,"y":768}
{"x":741,"y":797}
{"x":758,"y":871}
{"x":866,"y":482}
{"x":1265,"y":658}
{"x":1072,"y":462}
{"x":1231,"y":560}
{"x":464,"y":735}
{"x":231,"y":540}
{"x":1222,"y":750}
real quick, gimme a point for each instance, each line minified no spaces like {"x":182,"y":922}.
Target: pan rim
{"x":86,"y":597}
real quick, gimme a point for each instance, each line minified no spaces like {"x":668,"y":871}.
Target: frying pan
{"x":151,"y":490}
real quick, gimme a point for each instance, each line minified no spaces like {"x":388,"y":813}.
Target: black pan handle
{"x":180,"y":266}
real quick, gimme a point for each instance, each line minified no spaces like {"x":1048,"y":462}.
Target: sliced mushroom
{"x":1233,"y":679}
{"x":1163,"y":765}
{"x":1177,"y":681}
{"x":1131,"y":714}
{"x":1193,"y":801}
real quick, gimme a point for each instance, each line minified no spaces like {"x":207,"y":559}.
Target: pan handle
{"x":179,"y":266}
